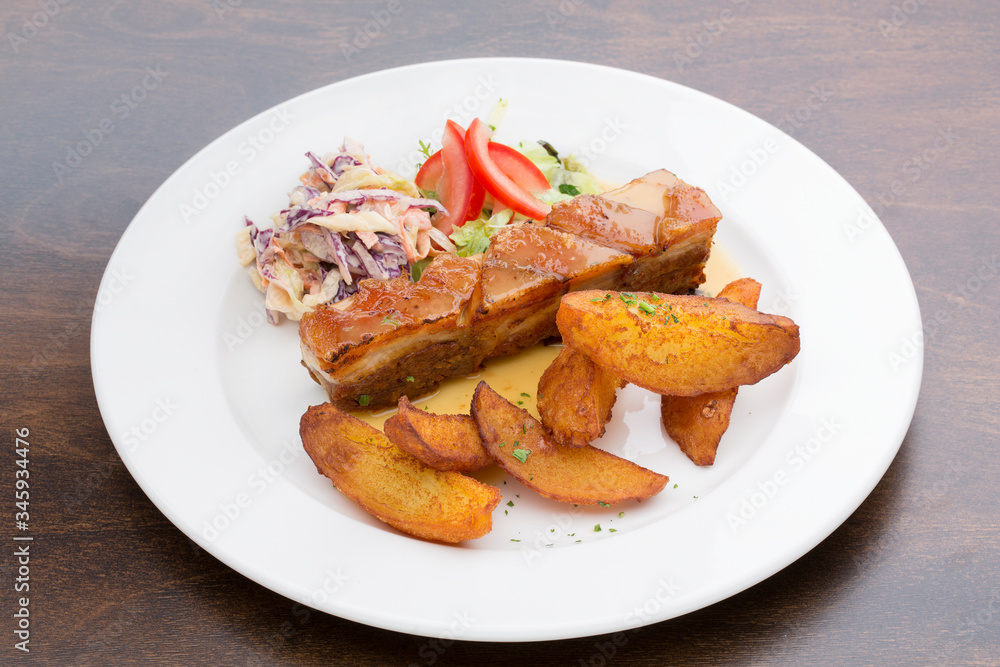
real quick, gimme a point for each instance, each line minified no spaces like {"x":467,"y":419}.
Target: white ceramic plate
{"x":202,"y":399}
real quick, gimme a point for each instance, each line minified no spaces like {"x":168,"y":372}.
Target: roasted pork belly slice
{"x":523,"y":258}
{"x":666,"y":224}
{"x":375,"y":342}
{"x":614,"y":224}
{"x":526,"y":271}
{"x":398,"y":338}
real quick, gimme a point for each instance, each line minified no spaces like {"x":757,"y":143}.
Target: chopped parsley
{"x":568,"y":189}
{"x":390,"y":320}
{"x":521,"y":454}
{"x":597,"y":527}
{"x":621,"y":515}
{"x":410,"y":378}
{"x":364,"y":400}
{"x":510,"y":503}
{"x":603,"y":504}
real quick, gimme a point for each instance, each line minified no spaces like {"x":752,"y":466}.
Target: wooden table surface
{"x":901,"y":97}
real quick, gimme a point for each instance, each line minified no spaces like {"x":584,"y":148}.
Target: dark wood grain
{"x":913,"y":577}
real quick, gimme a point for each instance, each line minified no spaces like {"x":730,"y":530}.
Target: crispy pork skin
{"x":395,"y":338}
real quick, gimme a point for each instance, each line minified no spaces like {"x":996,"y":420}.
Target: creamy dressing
{"x":720,"y":270}
{"x":513,"y":376}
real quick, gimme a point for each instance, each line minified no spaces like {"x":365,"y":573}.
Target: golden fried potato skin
{"x":687,"y":345}
{"x":444,"y":442}
{"x":581,"y":475}
{"x":697,"y":423}
{"x":392,"y":485}
{"x":575,"y":397}
{"x":744,"y":291}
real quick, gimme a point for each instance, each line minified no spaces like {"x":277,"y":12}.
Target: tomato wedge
{"x":496,"y":182}
{"x":430,"y":172}
{"x":512,"y":162}
{"x":456,"y":184}
{"x":476,"y":201}
{"x":518,"y":168}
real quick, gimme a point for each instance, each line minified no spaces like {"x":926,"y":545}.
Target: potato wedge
{"x":392,"y":485}
{"x":744,"y":291}
{"x":697,"y":423}
{"x":444,"y":442}
{"x":575,"y":397}
{"x":678,"y":345}
{"x":583,"y":475}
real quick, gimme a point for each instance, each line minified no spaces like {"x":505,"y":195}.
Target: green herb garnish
{"x":417,"y":268}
